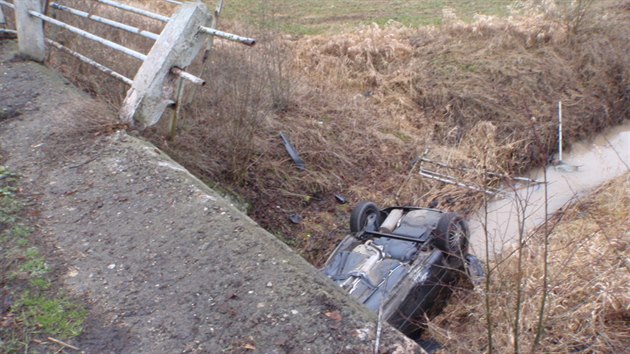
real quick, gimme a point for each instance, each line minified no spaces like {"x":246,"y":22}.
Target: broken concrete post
{"x":30,"y":30}
{"x":154,"y":84}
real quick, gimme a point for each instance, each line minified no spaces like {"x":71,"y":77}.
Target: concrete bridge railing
{"x":155,"y":85}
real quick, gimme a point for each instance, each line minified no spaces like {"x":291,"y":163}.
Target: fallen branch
{"x":63,"y":344}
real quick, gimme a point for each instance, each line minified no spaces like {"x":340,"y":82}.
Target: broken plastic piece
{"x":295,"y":218}
{"x":341,"y":199}
{"x":293,"y":152}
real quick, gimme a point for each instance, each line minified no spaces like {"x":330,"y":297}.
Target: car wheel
{"x":365,"y":216}
{"x":451,"y":235}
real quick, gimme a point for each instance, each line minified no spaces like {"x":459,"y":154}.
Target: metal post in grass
{"x":154,"y":85}
{"x":30,"y":30}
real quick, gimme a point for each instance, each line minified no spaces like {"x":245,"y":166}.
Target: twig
{"x":63,"y":344}
{"x":408,"y":178}
{"x":379,"y":328}
{"x":83,"y":163}
{"x":488,"y":283}
{"x":617,"y":153}
{"x":379,"y":318}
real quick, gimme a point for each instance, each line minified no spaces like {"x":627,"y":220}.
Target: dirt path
{"x":164,"y":263}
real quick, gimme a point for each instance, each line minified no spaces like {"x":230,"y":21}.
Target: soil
{"x":162,"y":262}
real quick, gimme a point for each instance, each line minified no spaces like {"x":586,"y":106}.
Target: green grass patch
{"x":20,"y":232}
{"x":57,"y":317}
{"x":41,"y":283}
{"x":35,"y":264}
{"x":329,"y":16}
{"x":39,"y":310}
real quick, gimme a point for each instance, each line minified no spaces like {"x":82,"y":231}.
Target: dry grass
{"x":361,"y":106}
{"x":462,"y":82}
{"x":589,"y":286}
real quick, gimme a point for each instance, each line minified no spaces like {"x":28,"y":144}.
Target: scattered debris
{"x":292,"y":152}
{"x":249,"y":346}
{"x":333,"y":315}
{"x":295,"y":218}
{"x":341,"y":199}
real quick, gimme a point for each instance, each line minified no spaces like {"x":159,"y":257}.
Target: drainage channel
{"x":601,"y":159}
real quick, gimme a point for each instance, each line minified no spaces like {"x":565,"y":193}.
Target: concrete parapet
{"x":30,"y":30}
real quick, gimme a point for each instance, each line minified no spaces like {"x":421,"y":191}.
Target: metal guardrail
{"x":190,"y":19}
{"x":87,"y":60}
{"x":106,"y":21}
{"x":135,"y":10}
{"x":130,"y":52}
{"x":204,"y":29}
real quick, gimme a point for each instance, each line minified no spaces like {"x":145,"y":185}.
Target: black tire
{"x":365,"y":216}
{"x":451,"y":235}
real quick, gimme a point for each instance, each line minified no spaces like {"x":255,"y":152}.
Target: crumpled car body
{"x":401,"y":262}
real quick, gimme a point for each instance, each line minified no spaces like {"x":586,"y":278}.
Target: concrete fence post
{"x":154,"y":84}
{"x":30,"y":30}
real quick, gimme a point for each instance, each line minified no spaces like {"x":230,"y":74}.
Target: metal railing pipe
{"x":88,"y":35}
{"x":207,"y":30}
{"x":228,"y":36}
{"x":7,"y":4}
{"x":187,"y":76}
{"x":174,"y":2}
{"x":135,"y":10}
{"x":87,"y":60}
{"x":105,"y":21}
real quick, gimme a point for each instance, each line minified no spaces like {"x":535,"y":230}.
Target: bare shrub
{"x":228,"y":114}
{"x":588,"y":286}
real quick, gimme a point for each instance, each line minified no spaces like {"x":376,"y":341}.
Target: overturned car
{"x":402,"y":262}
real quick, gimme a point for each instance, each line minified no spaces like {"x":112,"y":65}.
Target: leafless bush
{"x":587,"y":286}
